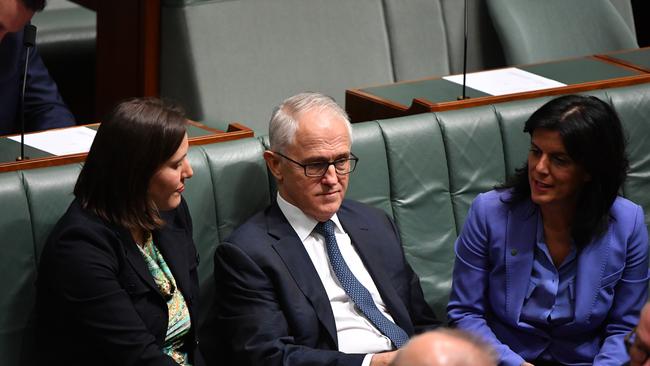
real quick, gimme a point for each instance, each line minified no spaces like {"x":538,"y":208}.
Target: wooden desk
{"x":638,"y":59}
{"x":437,"y":94}
{"x":128,"y":50}
{"x":198,"y":134}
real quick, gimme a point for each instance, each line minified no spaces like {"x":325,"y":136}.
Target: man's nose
{"x":330,"y":176}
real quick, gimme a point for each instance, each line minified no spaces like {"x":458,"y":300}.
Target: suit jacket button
{"x":513,"y":252}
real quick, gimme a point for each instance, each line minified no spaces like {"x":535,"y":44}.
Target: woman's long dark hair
{"x":137,"y":137}
{"x":593,"y":137}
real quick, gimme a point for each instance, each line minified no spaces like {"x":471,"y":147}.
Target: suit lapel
{"x":591,"y":262}
{"x":172,"y":243}
{"x":295,"y":257}
{"x":135,"y":260}
{"x":519,"y":254}
{"x":365,"y":243}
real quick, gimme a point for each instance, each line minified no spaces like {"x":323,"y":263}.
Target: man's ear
{"x":273,"y":163}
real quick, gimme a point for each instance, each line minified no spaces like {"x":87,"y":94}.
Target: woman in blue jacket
{"x":552,"y":267}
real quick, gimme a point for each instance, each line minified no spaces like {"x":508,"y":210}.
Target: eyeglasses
{"x":318,"y":169}
{"x":638,"y":353}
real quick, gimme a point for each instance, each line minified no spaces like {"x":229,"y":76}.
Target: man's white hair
{"x":284,"y":121}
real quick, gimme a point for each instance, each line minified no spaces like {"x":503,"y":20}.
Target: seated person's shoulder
{"x":360,"y":209}
{"x":623,"y":205}
{"x":249,"y":232}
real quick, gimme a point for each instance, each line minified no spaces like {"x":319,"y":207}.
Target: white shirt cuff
{"x":367,"y":359}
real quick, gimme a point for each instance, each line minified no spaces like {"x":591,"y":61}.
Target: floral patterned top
{"x":179,"y":316}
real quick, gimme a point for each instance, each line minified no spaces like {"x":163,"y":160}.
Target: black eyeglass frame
{"x":353,"y":159}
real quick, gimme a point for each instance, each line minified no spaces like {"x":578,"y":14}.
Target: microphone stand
{"x":464,"y":96}
{"x":29,"y":39}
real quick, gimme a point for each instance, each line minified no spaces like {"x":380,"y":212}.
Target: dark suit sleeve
{"x":82,"y":270}
{"x":44,"y":107}
{"x":252,"y":323}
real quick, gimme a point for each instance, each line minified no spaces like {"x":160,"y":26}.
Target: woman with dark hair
{"x":117,"y":281}
{"x":552,"y":267}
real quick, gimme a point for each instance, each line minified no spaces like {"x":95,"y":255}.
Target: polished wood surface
{"x":364,"y":106}
{"x":128,"y":50}
{"x":235,"y":131}
{"x":618,"y":58}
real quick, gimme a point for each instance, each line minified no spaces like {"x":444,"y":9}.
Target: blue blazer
{"x":272,"y":307}
{"x":44,"y":107}
{"x":494,"y":259}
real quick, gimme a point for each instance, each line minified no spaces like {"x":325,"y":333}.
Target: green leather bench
{"x":235,"y":60}
{"x":424,"y":170}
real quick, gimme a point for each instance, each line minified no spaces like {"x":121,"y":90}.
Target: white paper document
{"x":505,"y":81}
{"x":65,"y":141}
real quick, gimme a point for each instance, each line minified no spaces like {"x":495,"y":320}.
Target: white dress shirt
{"x":356,"y":334}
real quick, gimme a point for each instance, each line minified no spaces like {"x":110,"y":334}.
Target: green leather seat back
{"x":237,"y":186}
{"x":420,"y":196}
{"x":370,"y":182}
{"x":418,"y":38}
{"x":236,"y":60}
{"x":33,"y":202}
{"x":475,"y":155}
{"x":534,"y":31}
{"x":632,"y":104}
{"x":17,"y":269}
{"x":201,"y":201}
{"x":49,"y":198}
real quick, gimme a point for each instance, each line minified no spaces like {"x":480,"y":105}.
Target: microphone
{"x":29,"y":40}
{"x":464,"y":96}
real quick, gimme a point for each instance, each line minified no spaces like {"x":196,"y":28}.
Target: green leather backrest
{"x":370,"y":182}
{"x":418,"y":38}
{"x":633,"y":107}
{"x":421,"y":200}
{"x":474,"y":153}
{"x":236,"y":60}
{"x":17,"y":269}
{"x":32,"y":202}
{"x":423,"y":170}
{"x":534,"y":31}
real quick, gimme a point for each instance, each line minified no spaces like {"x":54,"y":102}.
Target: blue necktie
{"x":357,"y":292}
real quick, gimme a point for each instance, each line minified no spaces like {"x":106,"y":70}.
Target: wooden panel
{"x":128,"y":50}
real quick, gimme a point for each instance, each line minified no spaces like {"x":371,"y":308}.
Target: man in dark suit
{"x":315,"y":279}
{"x":44,"y":107}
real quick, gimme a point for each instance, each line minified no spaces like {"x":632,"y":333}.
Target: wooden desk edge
{"x":235,"y":131}
{"x":363,"y":106}
{"x":619,"y":62}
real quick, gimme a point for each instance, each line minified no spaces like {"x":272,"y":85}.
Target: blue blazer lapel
{"x":519,"y":254}
{"x":295,"y":257}
{"x":591,"y":263}
{"x":364,"y":242}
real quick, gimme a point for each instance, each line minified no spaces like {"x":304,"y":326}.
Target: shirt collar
{"x":302,"y":224}
{"x":541,"y":243}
